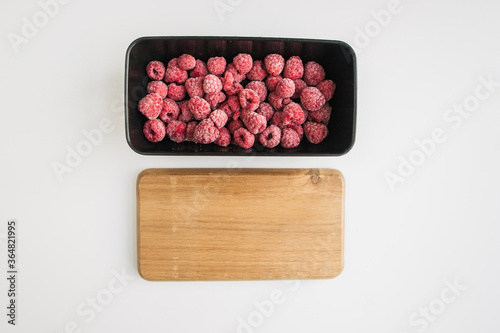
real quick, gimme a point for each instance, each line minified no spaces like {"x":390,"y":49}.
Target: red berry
{"x":234,"y":89}
{"x":205,"y":132}
{"x":327,"y":88}
{"x":275,"y":100}
{"x":150,"y":105}
{"x":155,"y":70}
{"x":285,"y":88}
{"x":199,"y":108}
{"x":254,"y":122}
{"x":249,"y":100}
{"x":299,"y":86}
{"x":186,"y":114}
{"x":289,"y":138}
{"x":312,"y":99}
{"x":224,"y":138}
{"x":158,"y":87}
{"x":234,"y":103}
{"x":272,"y":82}
{"x":294,"y":69}
{"x":175,"y":74}
{"x":186,"y":62}
{"x":211,"y":84}
{"x":227,"y":81}
{"x":243,"y":138}
{"x":216,"y":65}
{"x":278,"y":120}
{"x":257,"y":73}
{"x":322,"y":115}
{"x":313,"y":73}
{"x":259,"y":87}
{"x":243,"y":63}
{"x":154,"y":130}
{"x":266,"y":110}
{"x":194,"y":87}
{"x":270,"y":137}
{"x":176,"y":131}
{"x":169,"y":111}
{"x":227,"y":109}
{"x":293,"y":115}
{"x":219,"y":118}
{"x":215,"y":99}
{"x":199,"y":70}
{"x":237,"y":76}
{"x":299,"y":130}
{"x":190,"y":130}
{"x":274,"y":63}
{"x":176,"y":92}
{"x":315,"y":132}
{"x":234,"y":125}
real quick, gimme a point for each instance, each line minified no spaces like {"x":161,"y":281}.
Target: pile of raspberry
{"x":272,"y":101}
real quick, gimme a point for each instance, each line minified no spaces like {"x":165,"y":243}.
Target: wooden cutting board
{"x":240,"y":224}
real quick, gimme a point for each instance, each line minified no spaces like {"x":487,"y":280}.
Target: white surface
{"x":441,"y":224}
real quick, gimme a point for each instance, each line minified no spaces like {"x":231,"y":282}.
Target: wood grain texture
{"x":240,"y":224}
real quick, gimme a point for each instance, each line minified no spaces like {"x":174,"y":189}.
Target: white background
{"x":403,"y":246}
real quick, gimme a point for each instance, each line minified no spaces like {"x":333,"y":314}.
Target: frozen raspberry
{"x":169,"y":111}
{"x":219,"y":118}
{"x":257,"y":73}
{"x":185,"y":113}
{"x":155,"y":70}
{"x":190,"y":130}
{"x":176,"y":92}
{"x":266,"y":110}
{"x":259,"y":87}
{"x":234,"y":125}
{"x":249,"y":100}
{"x":270,"y":137}
{"x":234,"y":103}
{"x":287,"y":101}
{"x":243,"y":138}
{"x":154,"y":130}
{"x":235,"y":89}
{"x":322,"y":115}
{"x":205,"y":132}
{"x":299,"y":86}
{"x":227,"y":81}
{"x":215,"y":99}
{"x":313,"y":73}
{"x":327,"y":88}
{"x":238,"y":77}
{"x":211,"y":84}
{"x":254,"y":122}
{"x":272,"y":82}
{"x":315,"y":132}
{"x":175,"y":74}
{"x":293,"y":115}
{"x":158,"y":87}
{"x":275,"y":101}
{"x":186,"y":62}
{"x":243,"y":63}
{"x":199,"y":70}
{"x":176,"y":131}
{"x":199,"y":108}
{"x":224,"y":138}
{"x":294,"y":69}
{"x":174,"y":62}
{"x":299,"y":130}
{"x":216,"y":65}
{"x":285,"y":88}
{"x":289,"y":138}
{"x":312,"y":99}
{"x":274,"y":63}
{"x":150,"y":105}
{"x":194,"y":87}
{"x":278,"y":120}
{"x":227,"y":109}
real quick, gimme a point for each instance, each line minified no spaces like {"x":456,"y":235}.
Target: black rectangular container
{"x":337,"y":58}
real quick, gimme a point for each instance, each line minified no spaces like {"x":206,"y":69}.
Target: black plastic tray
{"x":337,"y":58}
